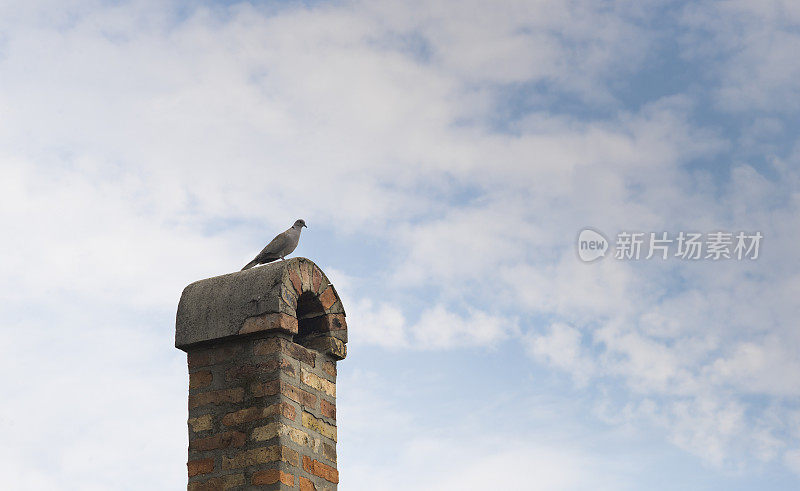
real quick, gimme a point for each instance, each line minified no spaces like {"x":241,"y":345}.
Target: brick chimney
{"x":262,"y":347}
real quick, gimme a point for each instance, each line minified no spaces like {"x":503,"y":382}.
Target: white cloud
{"x":561,"y":347}
{"x":764,"y":368}
{"x":440,"y":328}
{"x":381,"y":325}
{"x":752,"y":46}
{"x":792,"y":459}
{"x":405,"y":450}
{"x":87,"y":402}
{"x":437,"y":328}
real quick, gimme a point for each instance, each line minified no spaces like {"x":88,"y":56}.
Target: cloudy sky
{"x":445,"y":156}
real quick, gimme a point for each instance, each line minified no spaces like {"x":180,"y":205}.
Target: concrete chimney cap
{"x":278,"y":296}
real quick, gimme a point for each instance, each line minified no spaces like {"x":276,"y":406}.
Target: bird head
{"x":300,"y":224}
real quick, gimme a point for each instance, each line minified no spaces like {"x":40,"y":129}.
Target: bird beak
{"x":306,"y":226}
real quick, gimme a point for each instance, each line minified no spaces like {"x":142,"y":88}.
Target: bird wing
{"x":276,"y":245}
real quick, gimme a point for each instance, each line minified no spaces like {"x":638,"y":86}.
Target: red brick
{"x":319,"y":469}
{"x":327,"y":409}
{"x":301,"y":354}
{"x":202,"y":466}
{"x":223,"y":440}
{"x":272,"y":346}
{"x":262,"y":389}
{"x":269,"y":322}
{"x":328,"y":298}
{"x":294,"y":277}
{"x":272,"y":476}
{"x":316,"y":280}
{"x":306,"y":484}
{"x":288,"y":411}
{"x":216,"y":397}
{"x":198,"y":380}
{"x":273,"y":387}
{"x":213,"y":356}
{"x":298,"y":395}
{"x":336,"y":322}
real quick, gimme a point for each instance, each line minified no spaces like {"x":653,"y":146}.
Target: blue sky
{"x":445,"y":155}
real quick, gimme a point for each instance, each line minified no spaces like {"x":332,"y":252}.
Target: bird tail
{"x":250,"y":264}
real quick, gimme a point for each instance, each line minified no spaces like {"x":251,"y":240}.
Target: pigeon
{"x":281,"y":246}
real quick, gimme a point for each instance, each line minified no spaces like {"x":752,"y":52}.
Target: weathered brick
{"x":294,"y":277}
{"x":250,"y":371}
{"x":316,"y":279}
{"x":213,"y":356}
{"x":301,"y":354}
{"x":198,"y":380}
{"x":277,"y":429}
{"x":290,"y":300}
{"x":256,"y":412}
{"x":261,"y":455}
{"x":262,"y":389}
{"x":223,"y":440}
{"x":305,"y":276}
{"x":321,"y":427}
{"x":327,"y":409}
{"x":275,"y":345}
{"x":273,"y":387}
{"x":200,"y":466}
{"x":266,"y":432}
{"x":256,"y":371}
{"x":328,"y":298}
{"x":217,"y":483}
{"x":329,"y":367}
{"x":315,"y":381}
{"x":201,"y":423}
{"x":288,"y":411}
{"x":319,"y":469}
{"x":299,"y":395}
{"x":326,"y":323}
{"x":329,"y":345}
{"x":329,"y":451}
{"x":288,"y":368}
{"x":277,"y":321}
{"x":272,"y":476}
{"x":306,"y":484}
{"x":216,"y":397}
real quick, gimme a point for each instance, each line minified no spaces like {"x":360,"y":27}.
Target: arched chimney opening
{"x":309,"y":309}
